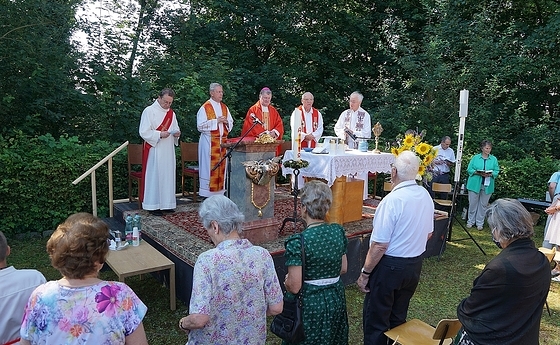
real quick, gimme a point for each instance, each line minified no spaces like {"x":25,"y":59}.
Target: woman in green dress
{"x":324,"y":304}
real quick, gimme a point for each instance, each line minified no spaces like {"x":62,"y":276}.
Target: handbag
{"x":288,"y":325}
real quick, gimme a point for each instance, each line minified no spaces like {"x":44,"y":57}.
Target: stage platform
{"x":181,"y":238}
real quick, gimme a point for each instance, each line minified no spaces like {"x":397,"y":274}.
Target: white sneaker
{"x":469,"y":225}
{"x":479,"y":227}
{"x":556,"y":279}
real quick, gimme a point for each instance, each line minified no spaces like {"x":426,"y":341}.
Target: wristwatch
{"x":364,"y":272}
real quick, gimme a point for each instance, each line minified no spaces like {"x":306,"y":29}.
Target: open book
{"x":485,"y":171}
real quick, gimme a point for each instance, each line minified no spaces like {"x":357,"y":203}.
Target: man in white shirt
{"x":445,"y":158}
{"x":213,"y":121}
{"x":403,"y":223}
{"x":15,"y":288}
{"x":353,"y":122}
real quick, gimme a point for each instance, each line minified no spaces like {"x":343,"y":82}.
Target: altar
{"x":341,"y":172}
{"x":351,"y":163}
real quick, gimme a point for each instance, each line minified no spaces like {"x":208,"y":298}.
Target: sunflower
{"x":408,"y":141}
{"x":423,"y":149}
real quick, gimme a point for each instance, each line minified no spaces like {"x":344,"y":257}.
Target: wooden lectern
{"x":256,"y":202}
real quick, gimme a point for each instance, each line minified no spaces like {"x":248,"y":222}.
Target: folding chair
{"x":416,"y":332}
{"x":443,"y":204}
{"x":550,"y":254}
{"x":189,"y":155}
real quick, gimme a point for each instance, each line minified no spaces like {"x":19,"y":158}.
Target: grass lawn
{"x":442,"y":286}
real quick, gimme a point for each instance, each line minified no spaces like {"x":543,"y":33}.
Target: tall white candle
{"x":295,"y":122}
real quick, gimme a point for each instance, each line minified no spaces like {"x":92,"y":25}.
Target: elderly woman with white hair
{"x":235,"y":286}
{"x":515,"y":282}
{"x":324,"y":303}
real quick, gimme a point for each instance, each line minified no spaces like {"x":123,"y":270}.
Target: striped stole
{"x":217,"y":176}
{"x":314,"y":121}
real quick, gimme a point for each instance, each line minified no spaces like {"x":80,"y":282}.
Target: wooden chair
{"x":550,"y":254}
{"x":387,"y":187}
{"x":189,"y":155}
{"x":373,"y":176}
{"x":444,"y":204}
{"x":134,"y":160}
{"x":416,"y":332}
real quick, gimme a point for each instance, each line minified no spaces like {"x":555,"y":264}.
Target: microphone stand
{"x":228,"y":156}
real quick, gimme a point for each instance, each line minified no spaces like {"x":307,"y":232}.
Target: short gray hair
{"x":213,"y":86}
{"x":223,"y":211}
{"x":407,"y":164}
{"x":509,"y":220}
{"x":316,"y":196}
{"x":360,"y":96}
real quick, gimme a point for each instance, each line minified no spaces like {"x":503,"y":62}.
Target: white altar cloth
{"x":330,"y":166}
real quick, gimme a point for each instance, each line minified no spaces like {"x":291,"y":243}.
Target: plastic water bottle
{"x":128,"y":229}
{"x":117,"y":235}
{"x":135,"y":237}
{"x":137,"y":222}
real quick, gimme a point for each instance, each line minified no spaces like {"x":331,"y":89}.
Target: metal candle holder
{"x":377,"y":130}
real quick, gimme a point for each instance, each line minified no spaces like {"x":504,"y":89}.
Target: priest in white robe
{"x":214,"y":122}
{"x":355,"y":122}
{"x":160,"y":131}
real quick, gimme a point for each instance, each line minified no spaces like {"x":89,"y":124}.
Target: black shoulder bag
{"x":288,"y":325}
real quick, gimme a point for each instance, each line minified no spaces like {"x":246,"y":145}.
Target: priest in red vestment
{"x":268,"y":115}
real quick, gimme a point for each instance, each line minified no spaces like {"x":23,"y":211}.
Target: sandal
{"x":555,"y":272}
{"x":556,"y":279}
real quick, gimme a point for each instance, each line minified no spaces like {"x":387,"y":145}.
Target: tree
{"x":37,"y":89}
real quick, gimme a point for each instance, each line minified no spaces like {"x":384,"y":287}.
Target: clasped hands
{"x":165,"y":134}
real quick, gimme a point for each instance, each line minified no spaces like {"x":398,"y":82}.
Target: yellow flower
{"x":424,"y":151}
{"x":423,"y":148}
{"x":408,"y":141}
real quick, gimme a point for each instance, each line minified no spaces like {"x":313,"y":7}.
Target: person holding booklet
{"x":483,"y":169}
{"x":444,"y":160}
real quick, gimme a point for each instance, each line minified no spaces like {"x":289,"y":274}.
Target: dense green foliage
{"x":36,"y":187}
{"x":409,"y":58}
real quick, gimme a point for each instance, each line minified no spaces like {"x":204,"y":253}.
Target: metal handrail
{"x":91,"y":171}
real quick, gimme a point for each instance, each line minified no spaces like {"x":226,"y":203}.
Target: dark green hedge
{"x":36,"y":190}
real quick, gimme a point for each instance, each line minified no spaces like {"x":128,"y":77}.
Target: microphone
{"x":256,"y":119}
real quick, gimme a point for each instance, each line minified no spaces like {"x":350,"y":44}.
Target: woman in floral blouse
{"x":80,"y":308}
{"x":235,"y":285}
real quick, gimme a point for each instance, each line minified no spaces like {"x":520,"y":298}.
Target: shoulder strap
{"x":302,"y":262}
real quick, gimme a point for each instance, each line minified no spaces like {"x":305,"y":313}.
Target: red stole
{"x":314,"y":121}
{"x":217,"y":177}
{"x":164,"y":126}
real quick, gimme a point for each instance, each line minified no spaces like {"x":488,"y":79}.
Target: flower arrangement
{"x":425,"y":152}
{"x":296,"y":163}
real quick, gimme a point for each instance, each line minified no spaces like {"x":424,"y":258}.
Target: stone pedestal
{"x":251,"y":198}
